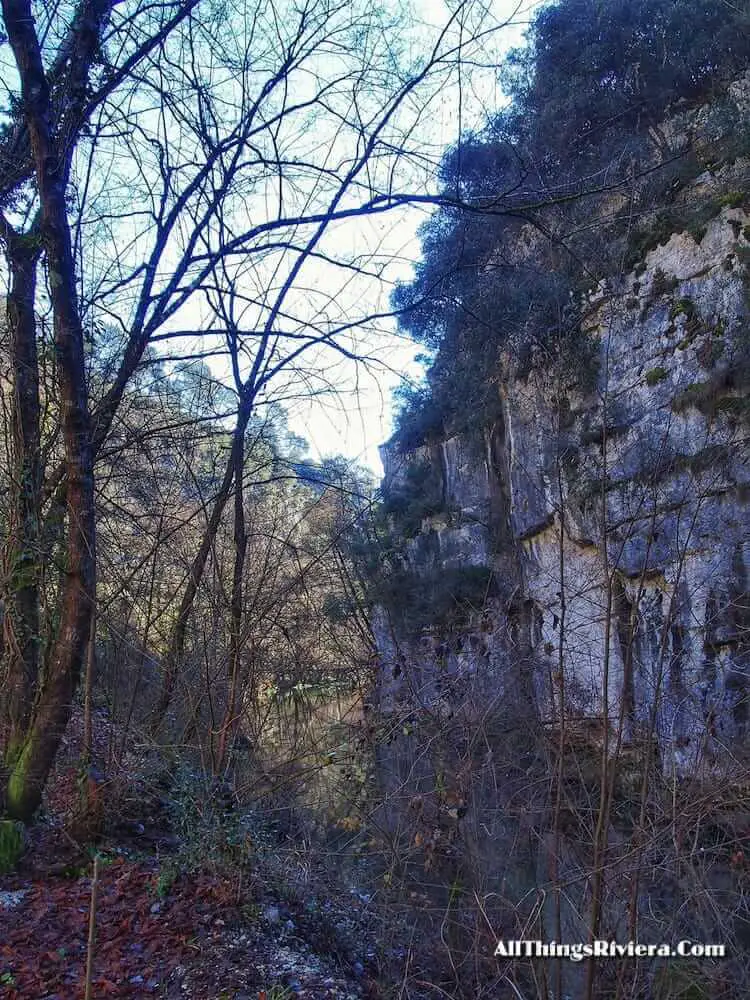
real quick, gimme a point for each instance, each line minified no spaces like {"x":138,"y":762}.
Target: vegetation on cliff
{"x":571,"y":183}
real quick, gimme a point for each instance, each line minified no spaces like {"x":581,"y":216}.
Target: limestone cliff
{"x":656,"y":462}
{"x":581,"y":566}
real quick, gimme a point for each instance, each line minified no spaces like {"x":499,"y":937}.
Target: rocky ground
{"x":242,"y":925}
{"x":197,"y":938}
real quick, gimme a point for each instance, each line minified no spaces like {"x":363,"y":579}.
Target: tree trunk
{"x":22,"y":550}
{"x":176,"y":649}
{"x":53,"y":706}
{"x":229,"y":722}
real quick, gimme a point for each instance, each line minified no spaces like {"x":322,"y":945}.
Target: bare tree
{"x":152,"y":159}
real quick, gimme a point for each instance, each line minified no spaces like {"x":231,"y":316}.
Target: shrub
{"x":419,"y":496}
{"x":662,"y":285}
{"x":682,"y":307}
{"x":733,"y":199}
{"x":444,"y":599}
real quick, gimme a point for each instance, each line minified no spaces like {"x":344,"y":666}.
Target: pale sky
{"x":352,"y":411}
{"x":361,"y":419}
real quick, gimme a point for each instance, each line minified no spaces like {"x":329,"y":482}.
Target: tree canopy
{"x":587,"y":94}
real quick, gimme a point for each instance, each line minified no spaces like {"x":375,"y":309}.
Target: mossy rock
{"x":682,"y":307}
{"x":733,"y":199}
{"x":655,"y":376}
{"x":11,"y":844}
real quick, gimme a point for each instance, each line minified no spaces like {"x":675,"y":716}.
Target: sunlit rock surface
{"x":660,"y":455}
{"x":614,"y":529}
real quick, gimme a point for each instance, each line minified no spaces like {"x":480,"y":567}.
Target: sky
{"x":360,"y":418}
{"x":350,"y":410}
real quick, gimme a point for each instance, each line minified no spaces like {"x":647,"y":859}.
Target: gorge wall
{"x":572,"y":580}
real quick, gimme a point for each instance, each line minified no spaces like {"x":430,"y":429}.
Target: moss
{"x":655,"y":375}
{"x":709,"y":352}
{"x":692,"y":219}
{"x":682,"y":307}
{"x":17,"y":790}
{"x":746,"y":232}
{"x":694,"y":394}
{"x":736,"y":406}
{"x":14,"y":791}
{"x":725,"y":392}
{"x":706,"y":459}
{"x":11,"y":844}
{"x":644,"y":240}
{"x":586,"y":489}
{"x":596,"y":434}
{"x":732,"y":199}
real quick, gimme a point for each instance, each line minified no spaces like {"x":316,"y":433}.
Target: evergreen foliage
{"x":444,"y":599}
{"x":602,"y":70}
{"x":587,"y":94}
{"x":419,"y":496}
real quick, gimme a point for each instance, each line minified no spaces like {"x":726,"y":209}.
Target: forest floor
{"x":240,"y":929}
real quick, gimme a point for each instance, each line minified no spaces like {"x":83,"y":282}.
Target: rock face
{"x":614,"y":529}
{"x":644,"y":484}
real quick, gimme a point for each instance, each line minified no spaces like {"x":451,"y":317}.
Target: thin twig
{"x":92,"y":929}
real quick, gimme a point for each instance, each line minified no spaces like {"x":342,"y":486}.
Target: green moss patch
{"x":11,"y":844}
